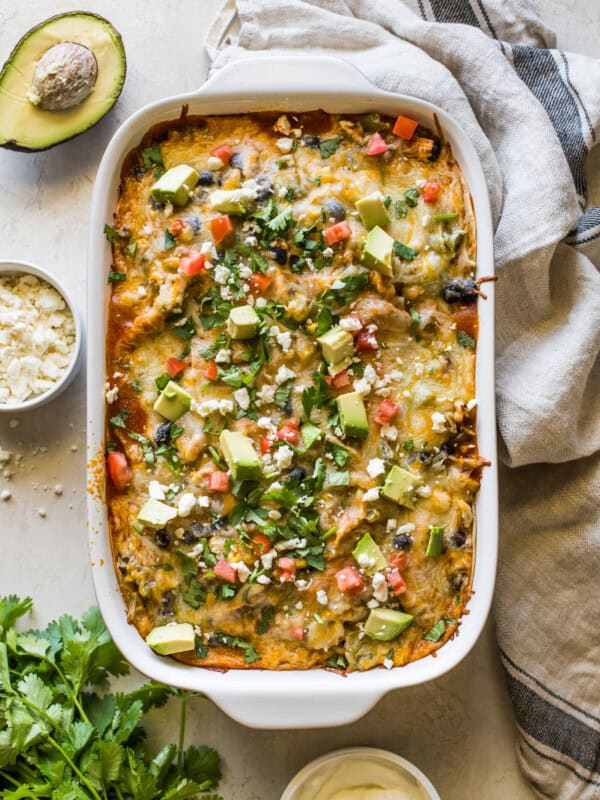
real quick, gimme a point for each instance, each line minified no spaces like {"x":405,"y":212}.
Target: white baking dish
{"x":293,"y":699}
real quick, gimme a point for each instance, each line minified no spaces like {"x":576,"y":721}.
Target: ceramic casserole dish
{"x":287,"y":699}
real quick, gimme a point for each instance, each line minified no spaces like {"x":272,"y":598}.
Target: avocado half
{"x":85,"y":87}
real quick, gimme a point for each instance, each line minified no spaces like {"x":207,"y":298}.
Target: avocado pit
{"x":64,"y":76}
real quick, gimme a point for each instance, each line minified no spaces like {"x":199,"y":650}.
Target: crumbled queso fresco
{"x":37,"y":335}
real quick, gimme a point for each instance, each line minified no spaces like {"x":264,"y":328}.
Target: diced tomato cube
{"x":218,"y":481}
{"x":405,"y":127}
{"x":176,"y":227}
{"x":398,"y":561}
{"x":386,"y":412}
{"x":297,"y":633}
{"x":335,"y":233}
{"x":221,"y":228}
{"x":348,"y":580}
{"x":287,"y":566}
{"x":119,"y":470}
{"x":466,"y":320}
{"x":211,"y":370}
{"x":223,"y":152}
{"x":265,"y":444}
{"x":175,"y":366}
{"x":328,"y":379}
{"x":341,"y":380}
{"x":289,"y":431}
{"x":260,"y":544}
{"x":376,"y":145}
{"x":192,"y":264}
{"x":225,"y":571}
{"x":259,"y":283}
{"x":366,"y":341}
{"x":431,"y":191}
{"x":396,"y":582}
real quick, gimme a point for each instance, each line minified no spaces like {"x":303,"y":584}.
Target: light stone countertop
{"x":459,"y":729}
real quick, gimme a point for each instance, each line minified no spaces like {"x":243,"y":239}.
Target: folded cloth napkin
{"x":533,"y":113}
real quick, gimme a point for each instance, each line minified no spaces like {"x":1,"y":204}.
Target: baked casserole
{"x":290,"y":436}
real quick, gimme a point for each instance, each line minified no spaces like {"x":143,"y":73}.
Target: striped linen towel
{"x":533,"y":113}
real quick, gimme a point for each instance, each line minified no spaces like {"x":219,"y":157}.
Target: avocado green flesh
{"x":25,"y":127}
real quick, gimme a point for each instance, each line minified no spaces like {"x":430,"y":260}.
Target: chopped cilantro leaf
{"x":283,"y":393}
{"x":112,"y":236}
{"x":250,"y":654}
{"x":188,"y":565}
{"x":341,"y":478}
{"x":115,"y":277}
{"x":266,"y":618}
{"x":169,"y":240}
{"x":147,"y":449}
{"x":405,"y":252}
{"x":132,"y":248}
{"x":327,"y":147}
{"x":152,"y":157}
{"x":463,"y":338}
{"x":414,"y":325}
{"x":135,"y":385}
{"x":281,"y":222}
{"x":324,"y":320}
{"x":194,"y":596}
{"x":409,"y":445}
{"x":119,"y":420}
{"x":340,"y":455}
{"x":411,"y":196}
{"x":162,"y":381}
{"x":400,"y":209}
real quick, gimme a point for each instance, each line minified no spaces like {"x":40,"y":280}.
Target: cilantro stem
{"x":7,"y":777}
{"x":118,"y":792}
{"x":72,"y":694}
{"x":181,"y":733}
{"x":73,"y":766}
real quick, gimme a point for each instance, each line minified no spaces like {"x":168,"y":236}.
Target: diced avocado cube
{"x":243,"y":322}
{"x":240,"y":455}
{"x":334,"y":369}
{"x":155,"y":514}
{"x":176,"y":637}
{"x":173,"y":402}
{"x":337,"y":346}
{"x":353,"y":416}
{"x":435,"y":543}
{"x":175,"y":185}
{"x":385,"y":624}
{"x":310,"y":434}
{"x":399,"y":486}
{"x":377,"y":252}
{"x":368,"y":555}
{"x":231,"y":201}
{"x":372,"y":210}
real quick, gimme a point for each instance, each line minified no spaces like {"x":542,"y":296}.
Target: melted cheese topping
{"x":261,"y":569}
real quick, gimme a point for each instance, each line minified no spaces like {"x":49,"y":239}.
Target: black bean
{"x":293,"y":261}
{"x":237,"y":162}
{"x":156,"y":204}
{"x":297,"y":474}
{"x":190,"y":536}
{"x":163,"y":433}
{"x":194,"y":222}
{"x":457,"y":581}
{"x":279,"y":254}
{"x":335,"y":208}
{"x":311,"y":141}
{"x":138,"y":171}
{"x":266,"y":188}
{"x":459,"y":538}
{"x":166,"y":603}
{"x":402,"y":541}
{"x":425,"y":456}
{"x":288,"y":408}
{"x":163,"y":539}
{"x":460,"y":290}
{"x":435,"y":153}
{"x":206,"y":179}
{"x":448,"y":448}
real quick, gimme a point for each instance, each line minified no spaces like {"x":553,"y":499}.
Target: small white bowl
{"x":25,"y":268}
{"x":342,"y":757}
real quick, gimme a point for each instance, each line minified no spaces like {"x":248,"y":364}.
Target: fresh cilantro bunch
{"x":63,"y":739}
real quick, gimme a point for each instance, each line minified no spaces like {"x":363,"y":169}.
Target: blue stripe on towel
{"x":539,"y":71}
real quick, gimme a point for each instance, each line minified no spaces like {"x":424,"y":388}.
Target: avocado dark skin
{"x":13,"y":144}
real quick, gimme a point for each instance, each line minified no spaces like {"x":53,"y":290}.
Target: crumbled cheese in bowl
{"x":37,"y":337}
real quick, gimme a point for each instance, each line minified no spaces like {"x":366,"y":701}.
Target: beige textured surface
{"x":459,"y":729}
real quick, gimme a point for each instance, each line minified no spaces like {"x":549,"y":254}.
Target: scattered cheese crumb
{"x":112,"y":394}
{"x":5,"y":495}
{"x":350,"y":323}
{"x":284,"y":374}
{"x":438,"y":422}
{"x":283,"y":457}
{"x":156,"y":490}
{"x":389,"y":432}
{"x":322,"y":598}
{"x":380,"y":588}
{"x":472,"y":404}
{"x":215,"y":164}
{"x":203,"y":501}
{"x":223,"y":357}
{"x":242,"y":398}
{"x":375,"y":467}
{"x":388,"y":663}
{"x":42,"y":513}
{"x":185,"y":504}
{"x":285,"y":145}
{"x":221,"y":274}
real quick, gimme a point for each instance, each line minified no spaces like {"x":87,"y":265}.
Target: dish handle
{"x":277,"y":75}
{"x":291,"y":710}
